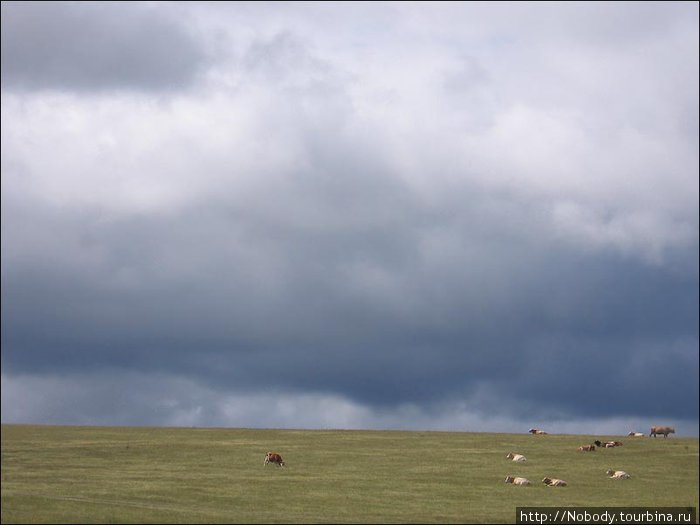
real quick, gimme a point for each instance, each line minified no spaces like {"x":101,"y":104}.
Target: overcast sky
{"x":448,"y":216}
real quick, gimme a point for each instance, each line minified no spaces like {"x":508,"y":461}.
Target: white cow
{"x":517,"y":481}
{"x":516,"y":457}
{"x":554,"y":482}
{"x":617,"y":474}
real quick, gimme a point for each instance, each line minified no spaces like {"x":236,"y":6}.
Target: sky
{"x":425,"y":216}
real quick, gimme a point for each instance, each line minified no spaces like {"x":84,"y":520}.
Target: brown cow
{"x":274,"y":457}
{"x":662,"y":430}
{"x":586,"y":448}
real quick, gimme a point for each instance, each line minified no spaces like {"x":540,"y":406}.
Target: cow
{"x":516,"y":457}
{"x":635,"y":434}
{"x":274,"y":457}
{"x":662,"y":430}
{"x":586,"y":448}
{"x":536,"y":431}
{"x":608,"y":444}
{"x":554,"y":482}
{"x":517,"y":481}
{"x":617,"y":474}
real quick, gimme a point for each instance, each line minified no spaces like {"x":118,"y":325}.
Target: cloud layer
{"x":86,"y":47}
{"x":446,"y":209}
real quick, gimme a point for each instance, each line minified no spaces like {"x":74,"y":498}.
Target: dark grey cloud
{"x":87,"y":46}
{"x":153,"y":399}
{"x":274,"y":303}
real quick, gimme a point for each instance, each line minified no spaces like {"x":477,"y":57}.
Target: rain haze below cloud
{"x":443,"y":218}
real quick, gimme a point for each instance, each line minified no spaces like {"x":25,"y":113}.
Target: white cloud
{"x":440,"y":113}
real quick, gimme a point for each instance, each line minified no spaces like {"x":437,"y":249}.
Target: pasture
{"x":61,"y":474}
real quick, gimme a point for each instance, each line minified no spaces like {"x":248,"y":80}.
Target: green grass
{"x":54,"y":474}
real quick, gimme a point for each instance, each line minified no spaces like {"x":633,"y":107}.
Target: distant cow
{"x":608,"y":444}
{"x":274,"y":457}
{"x":516,"y":457}
{"x":635,"y":434}
{"x":617,"y":474}
{"x":662,"y":430}
{"x":586,"y":448}
{"x":536,"y":431}
{"x":553,"y":482}
{"x":517,"y":481}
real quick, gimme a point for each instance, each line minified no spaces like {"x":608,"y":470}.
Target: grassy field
{"x":53,"y":474}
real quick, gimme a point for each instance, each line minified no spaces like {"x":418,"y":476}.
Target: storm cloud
{"x":359,"y":216}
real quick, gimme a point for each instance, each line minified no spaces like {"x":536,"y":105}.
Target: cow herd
{"x":550,"y":482}
{"x":274,"y":457}
{"x":612,"y":474}
{"x":599,"y":444}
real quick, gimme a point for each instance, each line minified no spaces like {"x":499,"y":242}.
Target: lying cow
{"x":617,"y":474}
{"x":608,"y":444}
{"x":554,"y":482}
{"x":586,"y":448}
{"x":516,"y":457}
{"x":635,"y":434}
{"x":662,"y":430}
{"x":517,"y":481}
{"x":274,"y":457}
{"x":536,"y":431}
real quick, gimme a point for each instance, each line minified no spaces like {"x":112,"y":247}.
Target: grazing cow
{"x":554,"y":482}
{"x":662,"y":430}
{"x":517,"y":481}
{"x":536,"y":431}
{"x":617,"y":474}
{"x":635,"y":434}
{"x":586,"y":448}
{"x":516,"y":457}
{"x":274,"y":457}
